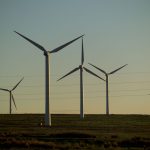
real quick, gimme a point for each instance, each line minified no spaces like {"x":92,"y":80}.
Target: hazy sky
{"x":117,"y":32}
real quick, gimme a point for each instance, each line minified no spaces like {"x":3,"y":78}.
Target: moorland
{"x":69,"y":132}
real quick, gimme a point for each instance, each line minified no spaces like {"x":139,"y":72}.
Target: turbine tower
{"x":11,"y":96}
{"x":81,"y":68}
{"x":47,"y":72}
{"x":107,"y":74}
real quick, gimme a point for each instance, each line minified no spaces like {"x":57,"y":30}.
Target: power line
{"x":89,"y":84}
{"x":39,"y":76}
{"x":76,"y":97}
{"x":76,"y":92}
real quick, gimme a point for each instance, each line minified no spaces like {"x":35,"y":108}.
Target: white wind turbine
{"x":47,"y":72}
{"x":11,"y":96}
{"x":107,"y":74}
{"x":81,"y":68}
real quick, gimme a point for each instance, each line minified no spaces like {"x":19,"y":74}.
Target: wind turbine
{"x":107,"y":74}
{"x":81,"y":68}
{"x":47,"y":72}
{"x":11,"y":95}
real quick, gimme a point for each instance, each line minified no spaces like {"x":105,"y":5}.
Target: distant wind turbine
{"x":47,"y":72}
{"x":11,"y":95}
{"x":81,"y":68}
{"x":107,"y":74}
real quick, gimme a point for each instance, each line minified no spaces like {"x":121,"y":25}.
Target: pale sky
{"x":117,"y":32}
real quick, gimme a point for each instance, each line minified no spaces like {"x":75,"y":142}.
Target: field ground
{"x":69,"y":132}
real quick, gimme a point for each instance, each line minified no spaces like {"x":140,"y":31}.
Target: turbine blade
{"x":17,"y":84}
{"x":98,"y":68}
{"x":64,"y":45}
{"x":82,"y":57}
{"x":32,"y":42}
{"x":117,"y":69}
{"x":89,"y":71}
{"x":4,"y":89}
{"x":69,"y":73}
{"x":13,"y":101}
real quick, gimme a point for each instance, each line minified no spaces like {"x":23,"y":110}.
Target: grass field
{"x":69,"y":132}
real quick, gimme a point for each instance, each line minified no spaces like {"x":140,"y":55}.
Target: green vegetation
{"x":69,"y":132}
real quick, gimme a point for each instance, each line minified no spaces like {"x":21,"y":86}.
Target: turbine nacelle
{"x":81,"y":67}
{"x":43,"y":49}
{"x":47,"y":71}
{"x":112,"y":72}
{"x":11,"y":95}
{"x":46,"y":53}
{"x":107,"y":74}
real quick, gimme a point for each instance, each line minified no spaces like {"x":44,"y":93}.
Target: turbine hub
{"x":45,"y":53}
{"x":81,"y":66}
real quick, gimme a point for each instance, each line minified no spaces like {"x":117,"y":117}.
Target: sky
{"x":117,"y":32}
